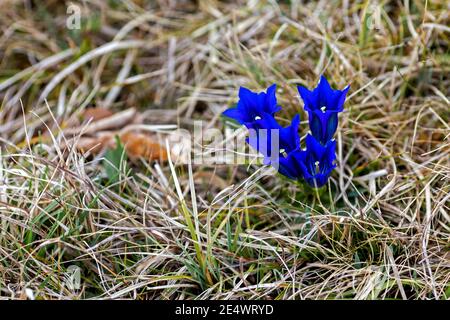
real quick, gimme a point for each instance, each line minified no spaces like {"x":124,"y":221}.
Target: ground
{"x":156,"y":228}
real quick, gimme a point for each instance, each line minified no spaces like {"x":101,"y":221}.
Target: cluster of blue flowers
{"x":314,"y":163}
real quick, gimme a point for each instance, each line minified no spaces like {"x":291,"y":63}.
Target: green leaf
{"x":115,"y":162}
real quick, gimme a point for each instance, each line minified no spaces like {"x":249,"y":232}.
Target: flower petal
{"x":309,"y":98}
{"x":339,"y":103}
{"x":323,"y":96}
{"x":270,"y":102}
{"x":289,"y":138}
{"x":235,"y":114}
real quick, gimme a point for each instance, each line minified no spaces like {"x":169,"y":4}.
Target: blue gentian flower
{"x":289,"y":166}
{"x":253,"y":106}
{"x":267,"y":131}
{"x":316,"y":162}
{"x":323,"y":105}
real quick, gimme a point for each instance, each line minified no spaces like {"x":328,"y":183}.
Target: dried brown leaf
{"x":142,"y":145}
{"x":96,"y":113}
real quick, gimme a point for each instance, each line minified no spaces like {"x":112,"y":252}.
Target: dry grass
{"x":380,"y":230}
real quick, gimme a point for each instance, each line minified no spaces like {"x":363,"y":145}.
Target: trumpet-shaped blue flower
{"x":253,"y":106}
{"x":289,"y":166}
{"x":317,"y":161}
{"x":323,"y":105}
{"x":272,"y":140}
{"x":279,"y":145}
{"x":314,"y":164}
